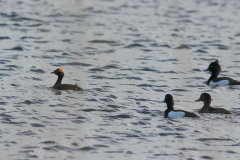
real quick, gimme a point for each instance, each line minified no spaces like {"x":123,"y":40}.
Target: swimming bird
{"x":215,"y":68}
{"x":206,"y":98}
{"x":60,"y":73}
{"x":171,"y":113}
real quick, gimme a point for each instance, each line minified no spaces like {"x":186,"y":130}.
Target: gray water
{"x":126,"y":55}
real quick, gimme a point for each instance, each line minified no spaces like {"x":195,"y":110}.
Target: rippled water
{"x":126,"y":55}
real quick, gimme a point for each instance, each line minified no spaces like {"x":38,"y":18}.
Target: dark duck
{"x":215,"y":68}
{"x":58,"y":85}
{"x":206,"y":98}
{"x":171,"y":113}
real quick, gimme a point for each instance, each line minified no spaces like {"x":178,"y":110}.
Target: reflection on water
{"x":126,"y":55}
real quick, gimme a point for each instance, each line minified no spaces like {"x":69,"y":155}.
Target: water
{"x":126,"y":55}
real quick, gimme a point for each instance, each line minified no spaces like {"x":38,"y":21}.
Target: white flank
{"x":221,"y":83}
{"x":173,"y":114}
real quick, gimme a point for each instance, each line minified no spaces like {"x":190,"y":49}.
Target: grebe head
{"x":59,"y":72}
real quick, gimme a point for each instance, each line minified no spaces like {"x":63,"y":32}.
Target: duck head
{"x":206,"y":98}
{"x":169,"y":101}
{"x":214,"y":67}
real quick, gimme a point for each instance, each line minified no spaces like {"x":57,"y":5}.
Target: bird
{"x":206,"y":98}
{"x":60,"y":73}
{"x":215,"y":68}
{"x":171,"y":113}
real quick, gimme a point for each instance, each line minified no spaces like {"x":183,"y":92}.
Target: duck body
{"x":171,"y":113}
{"x":208,"y":109}
{"x":223,"y":81}
{"x":215,"y":68}
{"x":58,"y":85}
{"x":206,"y":98}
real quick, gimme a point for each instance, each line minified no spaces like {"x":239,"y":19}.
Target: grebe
{"x":60,"y":73}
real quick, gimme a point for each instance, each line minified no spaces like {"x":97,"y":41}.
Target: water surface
{"x":126,"y":55}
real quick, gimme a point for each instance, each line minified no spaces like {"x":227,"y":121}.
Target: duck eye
{"x":210,"y":66}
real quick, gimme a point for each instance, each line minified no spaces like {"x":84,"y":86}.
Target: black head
{"x":169,"y":101}
{"x":214,"y":67}
{"x":206,"y":98}
{"x":59,"y":72}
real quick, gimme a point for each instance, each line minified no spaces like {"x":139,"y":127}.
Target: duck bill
{"x":163,"y":101}
{"x":198,"y":100}
{"x":206,"y":70}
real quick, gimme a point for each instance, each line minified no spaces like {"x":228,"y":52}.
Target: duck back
{"x":188,"y":114}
